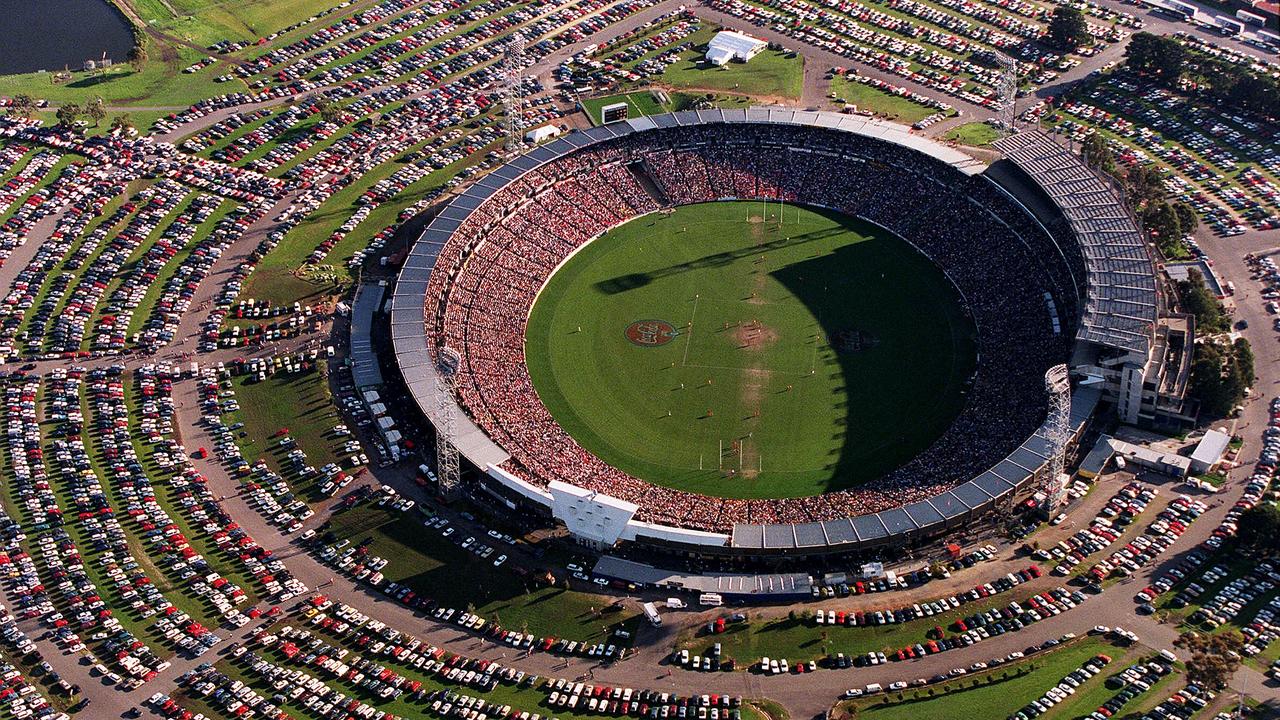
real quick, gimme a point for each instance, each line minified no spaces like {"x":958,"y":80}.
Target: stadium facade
{"x":1102,"y":300}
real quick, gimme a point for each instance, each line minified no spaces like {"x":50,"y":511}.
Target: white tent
{"x":729,"y":45}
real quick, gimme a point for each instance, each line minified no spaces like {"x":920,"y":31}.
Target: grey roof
{"x":364,"y":361}
{"x":1122,"y":303}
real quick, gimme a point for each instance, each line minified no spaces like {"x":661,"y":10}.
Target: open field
{"x":772,"y":73}
{"x":879,"y":102}
{"x":974,"y":133}
{"x":741,"y":358}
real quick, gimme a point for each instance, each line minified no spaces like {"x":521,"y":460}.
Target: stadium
{"x":584,"y":299}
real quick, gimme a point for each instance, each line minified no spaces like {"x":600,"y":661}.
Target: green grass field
{"x":992,"y":695}
{"x":975,"y":134}
{"x":870,"y":99}
{"x":773,"y":73}
{"x":796,"y":357}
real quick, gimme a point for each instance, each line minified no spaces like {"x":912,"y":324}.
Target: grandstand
{"x":469,"y":282}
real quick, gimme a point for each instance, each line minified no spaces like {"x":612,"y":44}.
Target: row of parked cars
{"x":907,"y":613}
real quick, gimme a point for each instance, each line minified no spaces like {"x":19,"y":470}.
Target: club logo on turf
{"x":651,"y":333}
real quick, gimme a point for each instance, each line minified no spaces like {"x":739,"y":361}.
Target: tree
{"x":1214,"y":658}
{"x":1188,"y":221}
{"x":23,"y":106}
{"x":121,"y":123}
{"x":1155,"y":55}
{"x":95,"y":110}
{"x":1143,"y":184}
{"x":1244,"y":361}
{"x":68,"y":114}
{"x":1259,"y":528}
{"x":1097,"y":153}
{"x":1067,"y":28}
{"x":328,"y":110}
{"x":1196,"y":299}
{"x":137,"y":56}
{"x":1161,"y":222}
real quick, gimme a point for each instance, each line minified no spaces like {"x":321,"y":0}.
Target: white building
{"x":729,"y":45}
{"x":539,"y":134}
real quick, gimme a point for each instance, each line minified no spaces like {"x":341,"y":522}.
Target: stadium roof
{"x":950,"y":507}
{"x":409,"y":338}
{"x":1121,"y":304}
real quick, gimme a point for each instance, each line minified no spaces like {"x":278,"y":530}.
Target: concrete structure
{"x":599,"y":520}
{"x":728,"y":45}
{"x":1130,"y":345}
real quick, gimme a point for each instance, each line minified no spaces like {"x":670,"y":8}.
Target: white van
{"x":874,"y":688}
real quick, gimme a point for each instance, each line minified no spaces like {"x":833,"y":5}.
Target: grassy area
{"x":772,"y":73}
{"x":992,"y":695}
{"x":160,"y":83}
{"x":438,"y":568}
{"x":298,"y":401}
{"x":638,"y":104}
{"x":976,"y":134}
{"x":208,"y":21}
{"x":868,"y":99}
{"x":276,"y":279}
{"x":737,"y":351}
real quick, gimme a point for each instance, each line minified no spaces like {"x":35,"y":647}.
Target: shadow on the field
{"x":631,"y":281}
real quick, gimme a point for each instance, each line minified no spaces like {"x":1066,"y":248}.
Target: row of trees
{"x":24,"y":106}
{"x":1168,"y":61}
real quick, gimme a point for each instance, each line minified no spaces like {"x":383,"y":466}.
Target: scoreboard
{"x":612,"y":113}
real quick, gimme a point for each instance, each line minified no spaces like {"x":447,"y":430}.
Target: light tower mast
{"x":447,"y":363}
{"x":1057,"y":430}
{"x":1007,"y":89}
{"x":513,"y":62}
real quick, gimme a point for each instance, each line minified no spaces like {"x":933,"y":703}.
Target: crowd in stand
{"x":1002,"y":263}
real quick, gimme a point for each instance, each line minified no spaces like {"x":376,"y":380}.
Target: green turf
{"x":756,"y":387}
{"x":974,"y":133}
{"x":994,"y":695}
{"x":868,"y":99}
{"x":772,"y":73}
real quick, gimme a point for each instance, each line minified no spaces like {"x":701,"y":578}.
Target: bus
{"x":1268,"y":37}
{"x":1185,"y":8}
{"x":1251,"y":18}
{"x":710,"y":600}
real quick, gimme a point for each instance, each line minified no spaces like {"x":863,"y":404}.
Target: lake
{"x":51,"y":34}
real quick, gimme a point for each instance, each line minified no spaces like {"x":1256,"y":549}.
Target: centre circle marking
{"x":651,"y":333}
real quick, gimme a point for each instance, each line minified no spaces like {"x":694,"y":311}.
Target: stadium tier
{"x":471,"y":280}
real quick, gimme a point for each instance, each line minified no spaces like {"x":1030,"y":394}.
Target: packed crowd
{"x":486,"y":278}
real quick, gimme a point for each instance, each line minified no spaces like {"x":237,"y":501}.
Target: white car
{"x":852,"y":693}
{"x":501,"y":559}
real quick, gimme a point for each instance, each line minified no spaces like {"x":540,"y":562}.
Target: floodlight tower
{"x":1007,"y":89}
{"x":447,"y":362}
{"x":1057,"y":430}
{"x":513,"y":62}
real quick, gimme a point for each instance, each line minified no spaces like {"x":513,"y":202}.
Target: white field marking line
{"x":689,"y":339}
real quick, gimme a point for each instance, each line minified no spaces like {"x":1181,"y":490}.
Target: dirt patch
{"x":754,"y":335}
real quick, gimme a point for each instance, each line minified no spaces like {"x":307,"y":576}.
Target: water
{"x":50,"y":34}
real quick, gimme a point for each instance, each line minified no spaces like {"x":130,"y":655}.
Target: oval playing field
{"x":723,"y":352}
